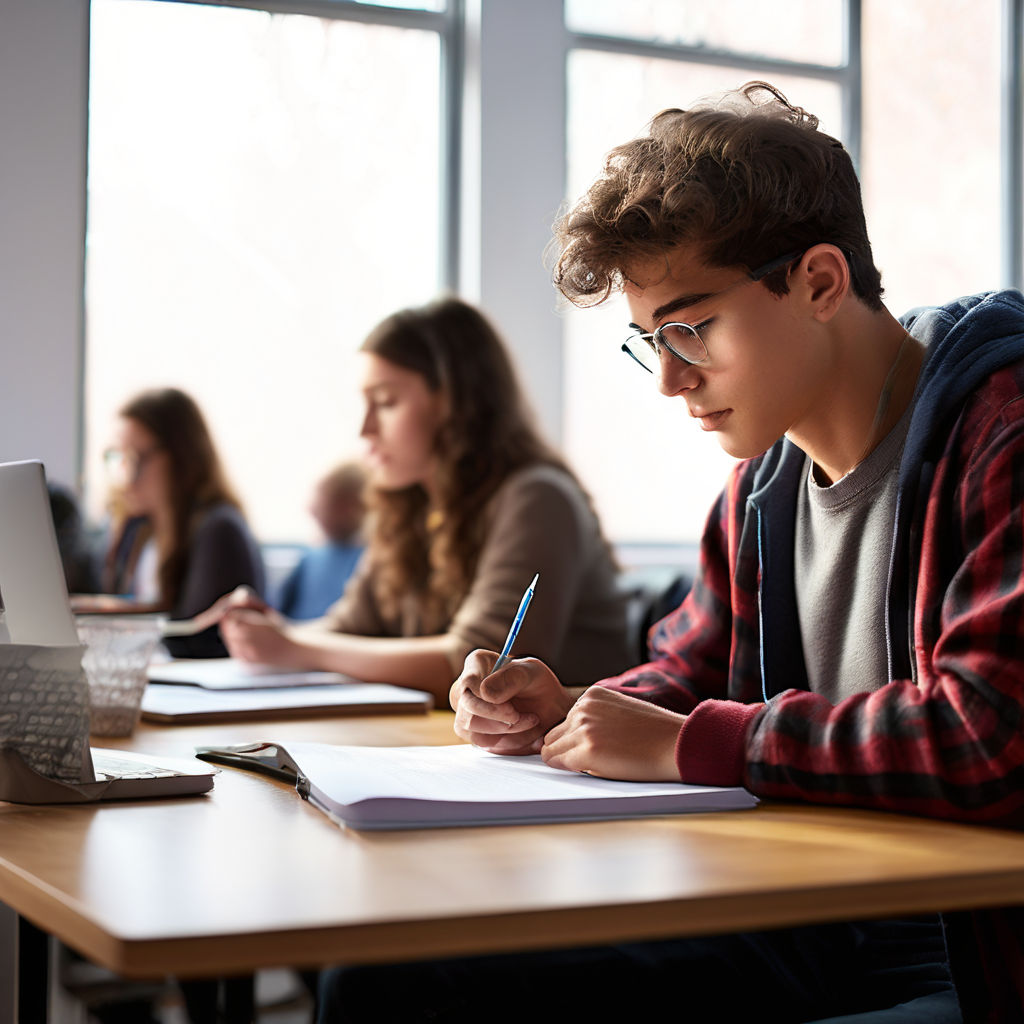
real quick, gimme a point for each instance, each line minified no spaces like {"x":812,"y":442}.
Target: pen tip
{"x":534,"y":582}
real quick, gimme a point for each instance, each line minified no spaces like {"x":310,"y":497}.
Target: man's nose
{"x":676,"y":375}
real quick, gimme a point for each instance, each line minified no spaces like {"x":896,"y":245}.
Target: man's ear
{"x":825,"y":280}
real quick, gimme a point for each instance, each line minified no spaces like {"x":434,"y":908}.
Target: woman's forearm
{"x":423,"y":663}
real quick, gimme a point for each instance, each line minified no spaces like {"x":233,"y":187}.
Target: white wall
{"x":514,"y":134}
{"x":43,"y":77}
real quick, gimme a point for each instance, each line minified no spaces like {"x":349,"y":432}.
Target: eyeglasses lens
{"x":684,"y":341}
{"x":681,"y":340}
{"x":120,"y":466}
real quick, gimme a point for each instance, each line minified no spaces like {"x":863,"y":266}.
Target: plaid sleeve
{"x":949,"y":743}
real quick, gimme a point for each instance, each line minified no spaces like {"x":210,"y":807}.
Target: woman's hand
{"x":617,"y":737}
{"x":241,"y":597}
{"x":260,"y":636}
{"x":510,"y":711}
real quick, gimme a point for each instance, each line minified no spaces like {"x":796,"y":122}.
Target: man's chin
{"x":742,"y":450}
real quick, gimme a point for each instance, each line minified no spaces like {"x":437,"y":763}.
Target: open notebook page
{"x":418,"y":787}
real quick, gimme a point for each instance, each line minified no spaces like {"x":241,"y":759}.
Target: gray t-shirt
{"x":843,"y":543}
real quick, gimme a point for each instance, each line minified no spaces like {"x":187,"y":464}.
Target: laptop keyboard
{"x":107,"y":767}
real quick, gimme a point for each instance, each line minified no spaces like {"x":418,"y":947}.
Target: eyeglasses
{"x":683,"y":340}
{"x":126,"y":467}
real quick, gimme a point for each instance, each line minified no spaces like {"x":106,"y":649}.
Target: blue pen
{"x":514,"y":631}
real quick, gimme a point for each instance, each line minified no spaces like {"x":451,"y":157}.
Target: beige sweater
{"x":539,"y":522}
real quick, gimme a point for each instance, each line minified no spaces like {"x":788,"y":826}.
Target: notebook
{"x":437,"y":787}
{"x":232,"y":674}
{"x":44,"y":703}
{"x":184,"y":705}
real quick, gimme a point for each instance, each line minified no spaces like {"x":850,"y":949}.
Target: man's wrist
{"x":711,"y":748}
{"x":569,"y":696}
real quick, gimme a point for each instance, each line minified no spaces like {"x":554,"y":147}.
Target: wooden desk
{"x":251,"y":876}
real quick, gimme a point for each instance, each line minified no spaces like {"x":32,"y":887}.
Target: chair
{"x":648,"y":602}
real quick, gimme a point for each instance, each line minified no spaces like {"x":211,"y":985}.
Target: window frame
{"x":846,"y":74}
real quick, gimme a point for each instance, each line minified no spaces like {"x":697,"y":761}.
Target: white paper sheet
{"x":230,"y":674}
{"x":410,"y":787}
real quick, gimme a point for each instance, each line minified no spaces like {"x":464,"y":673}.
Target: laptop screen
{"x":35,"y":595}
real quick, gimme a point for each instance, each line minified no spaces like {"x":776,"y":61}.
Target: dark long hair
{"x":489,"y":434}
{"x":197,"y":480}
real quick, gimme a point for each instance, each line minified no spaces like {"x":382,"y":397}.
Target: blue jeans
{"x":785,"y":976}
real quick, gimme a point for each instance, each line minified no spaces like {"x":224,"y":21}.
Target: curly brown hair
{"x":745,"y":177}
{"x":490,"y":433}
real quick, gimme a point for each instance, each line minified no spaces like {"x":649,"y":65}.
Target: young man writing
{"x":854,"y":635}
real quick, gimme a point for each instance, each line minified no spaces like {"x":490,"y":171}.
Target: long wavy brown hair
{"x":490,"y":433}
{"x":197,"y":481}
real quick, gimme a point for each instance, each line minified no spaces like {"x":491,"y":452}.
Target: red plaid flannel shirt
{"x":948,"y":743}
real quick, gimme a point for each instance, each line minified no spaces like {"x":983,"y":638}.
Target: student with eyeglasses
{"x":855,"y":634}
{"x":178,"y":539}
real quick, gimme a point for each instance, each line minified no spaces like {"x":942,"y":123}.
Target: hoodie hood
{"x":966,"y":342}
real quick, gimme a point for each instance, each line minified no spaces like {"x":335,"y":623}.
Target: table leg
{"x":240,"y":999}
{"x":235,"y":997}
{"x":33,"y":973}
{"x":8,"y":964}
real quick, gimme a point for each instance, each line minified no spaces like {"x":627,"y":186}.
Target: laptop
{"x":44,"y":698}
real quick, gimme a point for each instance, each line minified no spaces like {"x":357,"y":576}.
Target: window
{"x":261,"y":192}
{"x":922,"y":111}
{"x":931,"y":161}
{"x":802,"y":30}
{"x":255,"y":205}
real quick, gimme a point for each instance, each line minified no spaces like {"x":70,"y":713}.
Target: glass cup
{"x":118,"y":651}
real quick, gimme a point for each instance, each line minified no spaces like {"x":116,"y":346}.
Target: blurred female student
{"x":467,"y":503}
{"x":179,"y":539}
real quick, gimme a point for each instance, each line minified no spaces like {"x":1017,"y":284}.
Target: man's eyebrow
{"x":682,"y":302}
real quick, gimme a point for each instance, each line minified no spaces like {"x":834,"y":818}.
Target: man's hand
{"x":509,"y":712}
{"x":259,"y":636}
{"x":617,"y":737}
